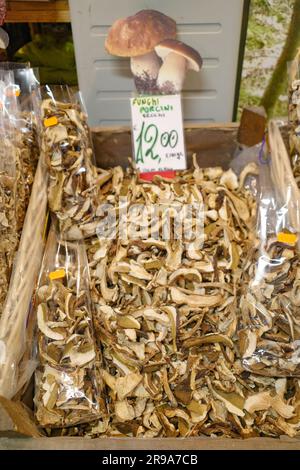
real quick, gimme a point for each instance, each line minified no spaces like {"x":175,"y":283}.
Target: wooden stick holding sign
{"x":159,"y":63}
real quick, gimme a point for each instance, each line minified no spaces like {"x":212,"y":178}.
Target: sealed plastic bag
{"x":68,"y":388}
{"x":9,"y":158}
{"x":28,"y":102}
{"x":21,"y":262}
{"x":19,"y":155}
{"x":16,"y":368}
{"x":73,"y":177}
{"x":270,"y":316}
{"x":294,"y":115}
{"x":24,"y":91}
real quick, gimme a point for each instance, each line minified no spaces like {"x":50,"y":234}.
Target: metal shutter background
{"x":212,"y":27}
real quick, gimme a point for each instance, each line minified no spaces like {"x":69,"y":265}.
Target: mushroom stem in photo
{"x":172,"y":73}
{"x":145,"y":70}
{"x":177,"y":58}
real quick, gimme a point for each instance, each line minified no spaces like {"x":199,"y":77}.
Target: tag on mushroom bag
{"x":269,"y":311}
{"x":68,"y":387}
{"x":159,"y":64}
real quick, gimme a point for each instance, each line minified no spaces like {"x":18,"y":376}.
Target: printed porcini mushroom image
{"x":135,"y":37}
{"x":177,"y":59}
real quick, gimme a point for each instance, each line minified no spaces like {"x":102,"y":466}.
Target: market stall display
{"x":165,"y":307}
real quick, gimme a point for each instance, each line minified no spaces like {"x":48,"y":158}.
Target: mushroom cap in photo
{"x":192,"y":56}
{"x":139,"y":34}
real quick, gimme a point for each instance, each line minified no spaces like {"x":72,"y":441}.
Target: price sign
{"x":158,"y":137}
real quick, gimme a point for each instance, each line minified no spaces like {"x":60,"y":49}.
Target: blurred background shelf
{"x":38,"y":12}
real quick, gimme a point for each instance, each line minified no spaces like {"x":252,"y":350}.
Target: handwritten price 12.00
{"x":149,"y":137}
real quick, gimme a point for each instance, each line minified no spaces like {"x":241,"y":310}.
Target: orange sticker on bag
{"x":58,"y":274}
{"x":13,"y":91}
{"x":51,"y":121}
{"x":288,"y":238}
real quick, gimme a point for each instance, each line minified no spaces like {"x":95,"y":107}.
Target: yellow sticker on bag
{"x":13,"y":91}
{"x":58,"y":274}
{"x":289,"y":238}
{"x":51,"y":121}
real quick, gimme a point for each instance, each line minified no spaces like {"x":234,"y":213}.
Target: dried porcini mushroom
{"x":68,"y":380}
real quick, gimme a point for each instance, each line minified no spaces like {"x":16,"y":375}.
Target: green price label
{"x":147,"y":139}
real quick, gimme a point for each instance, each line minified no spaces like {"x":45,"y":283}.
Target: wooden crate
{"x":214,"y":145}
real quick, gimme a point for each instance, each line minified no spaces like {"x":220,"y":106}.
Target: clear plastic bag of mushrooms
{"x":26,"y":85}
{"x":9,"y":163}
{"x":74,"y":181}
{"x":68,"y":388}
{"x":294,"y":115}
{"x":19,"y":116}
{"x":270,"y":320}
